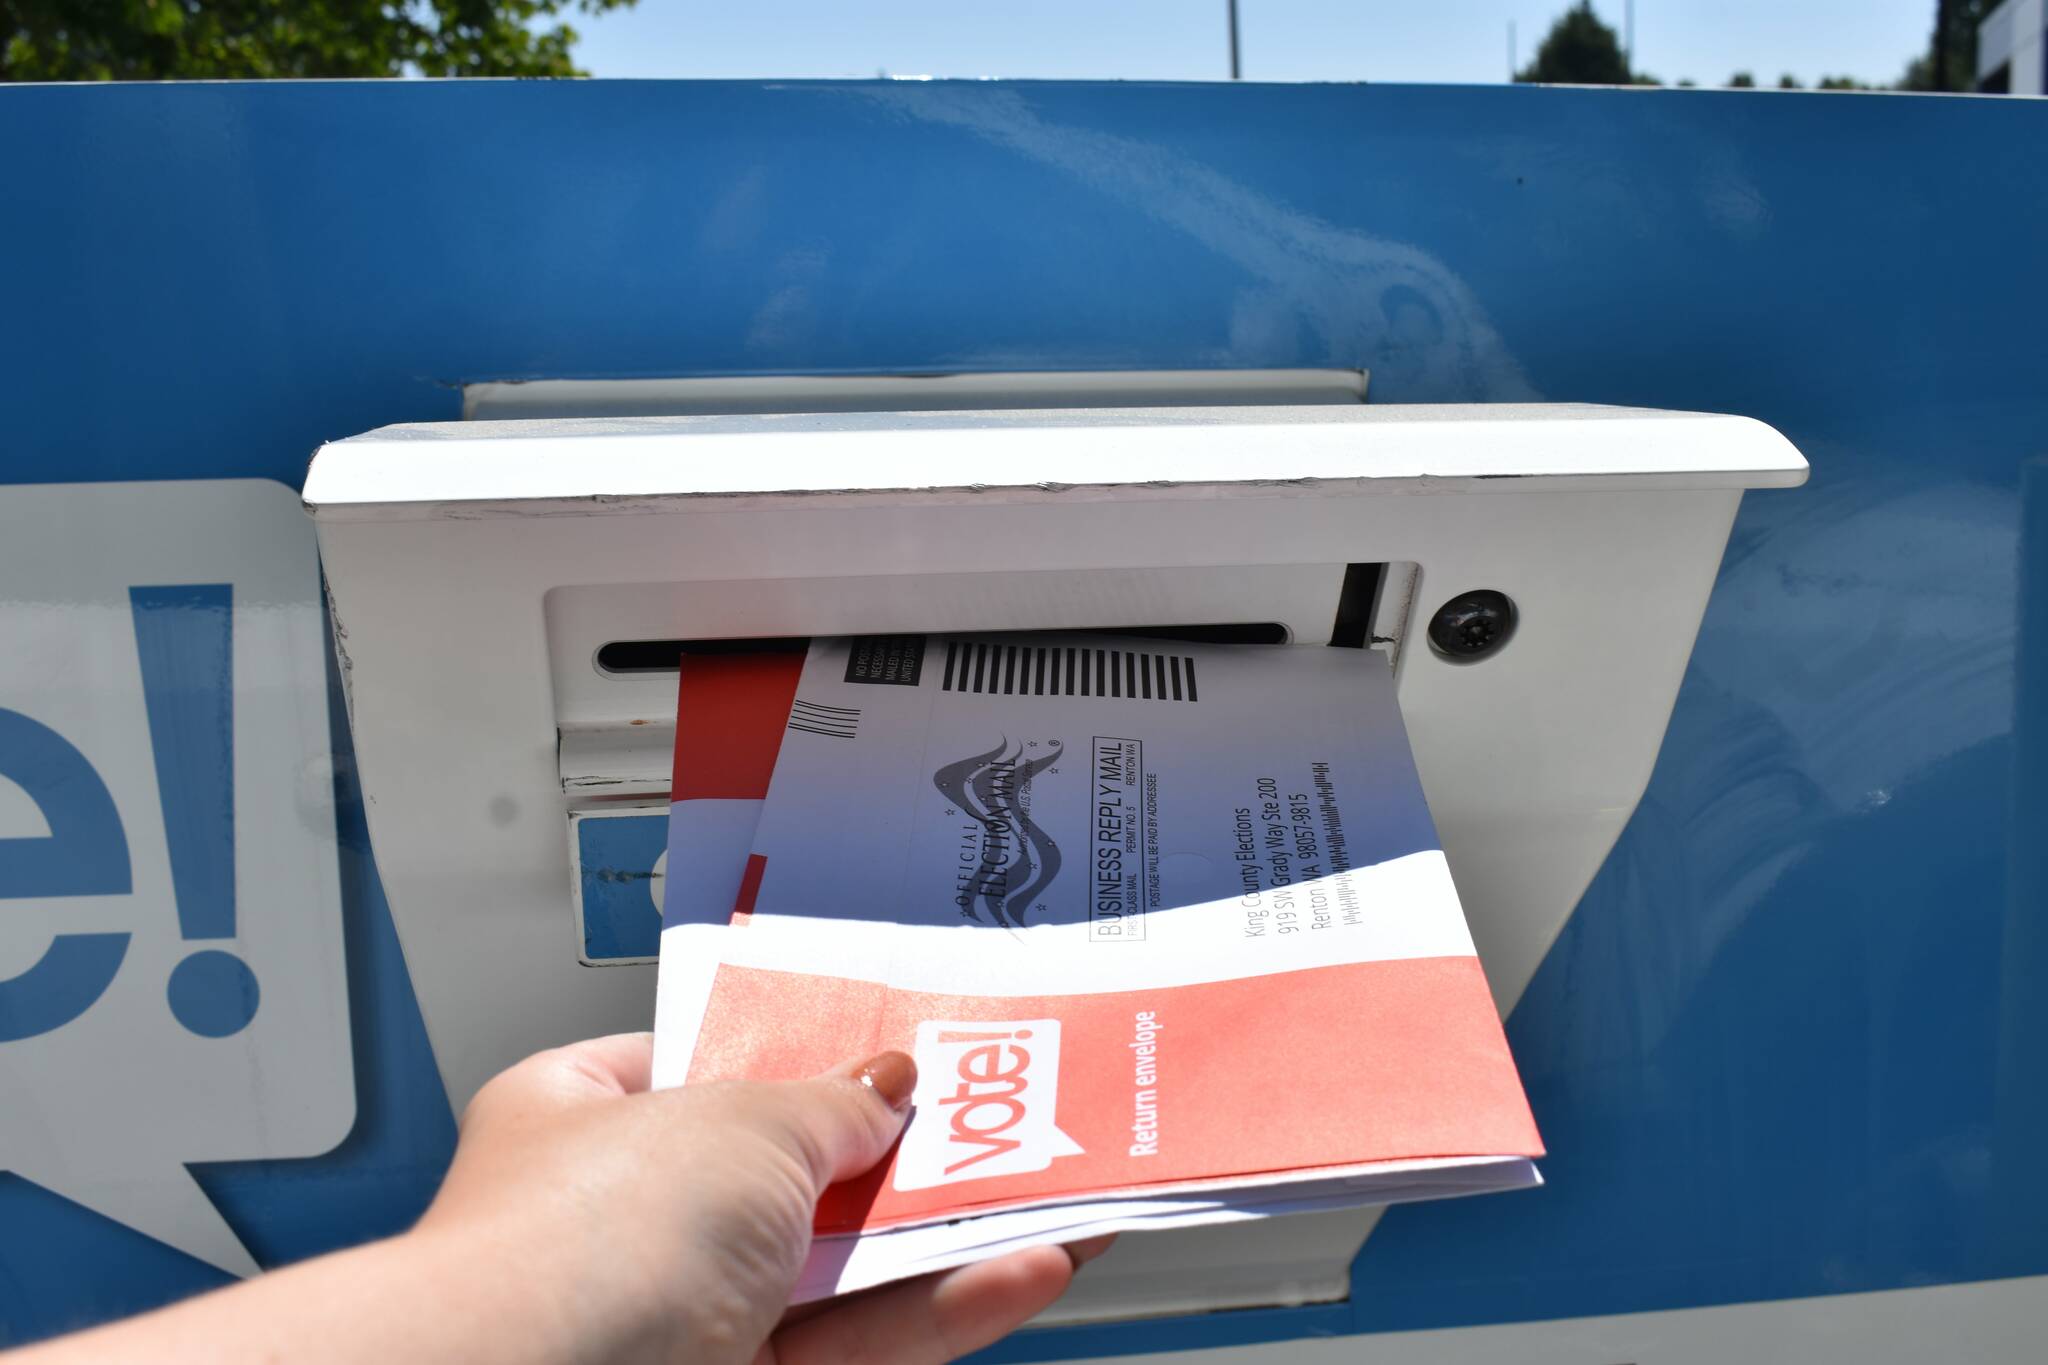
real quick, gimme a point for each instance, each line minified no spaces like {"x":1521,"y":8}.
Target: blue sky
{"x":1462,"y":41}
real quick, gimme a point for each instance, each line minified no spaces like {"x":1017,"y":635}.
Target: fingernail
{"x":893,"y":1076}
{"x":1083,"y":1252}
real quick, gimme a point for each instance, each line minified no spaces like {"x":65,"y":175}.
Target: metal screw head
{"x":1472,"y":625}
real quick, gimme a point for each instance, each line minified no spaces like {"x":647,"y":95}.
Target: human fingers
{"x":1080,"y":1253}
{"x":1088,"y":1248}
{"x":933,"y":1319}
{"x":838,"y":1124}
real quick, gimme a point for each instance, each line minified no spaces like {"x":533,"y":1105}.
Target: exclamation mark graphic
{"x":185,"y":637}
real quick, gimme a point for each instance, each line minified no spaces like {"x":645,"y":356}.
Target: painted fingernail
{"x":893,"y":1076}
{"x":1082,"y":1252}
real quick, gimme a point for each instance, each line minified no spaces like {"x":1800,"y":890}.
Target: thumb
{"x":843,"y":1122}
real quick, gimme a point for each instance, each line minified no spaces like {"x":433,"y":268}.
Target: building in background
{"x":2010,"y":51}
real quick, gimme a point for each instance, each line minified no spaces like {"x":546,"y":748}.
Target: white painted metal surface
{"x":602,"y":466}
{"x":1996,"y":1322}
{"x":1280,"y":1262}
{"x":907,"y":392}
{"x":474,"y":571}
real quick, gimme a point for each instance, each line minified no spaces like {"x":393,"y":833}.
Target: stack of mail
{"x":1166,"y":927}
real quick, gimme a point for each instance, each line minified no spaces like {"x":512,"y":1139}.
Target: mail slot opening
{"x":1357,"y":607}
{"x":632,"y":658}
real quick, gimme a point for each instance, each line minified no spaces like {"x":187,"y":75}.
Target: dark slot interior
{"x":1356,"y":604}
{"x":661,"y":656}
{"x":1354,"y":615}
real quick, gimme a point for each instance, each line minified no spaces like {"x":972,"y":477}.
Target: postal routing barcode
{"x":834,"y":722}
{"x":1067,"y":671}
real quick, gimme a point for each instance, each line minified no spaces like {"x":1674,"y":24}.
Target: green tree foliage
{"x":1788,"y":81}
{"x":1579,"y":50}
{"x":1582,"y":50}
{"x":97,"y":40}
{"x":1956,"y":21}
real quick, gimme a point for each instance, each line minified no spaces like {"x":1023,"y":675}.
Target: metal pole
{"x":1628,"y":35}
{"x":1511,"y":52}
{"x":1941,"y":45}
{"x":1235,"y":74}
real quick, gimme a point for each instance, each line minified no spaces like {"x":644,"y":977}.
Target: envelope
{"x":731,"y":713}
{"x":721,"y":959}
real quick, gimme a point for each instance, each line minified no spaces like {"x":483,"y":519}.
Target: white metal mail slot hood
{"x":480,"y":573}
{"x":629,"y":464}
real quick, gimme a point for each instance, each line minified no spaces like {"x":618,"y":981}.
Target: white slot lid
{"x":605,"y":466}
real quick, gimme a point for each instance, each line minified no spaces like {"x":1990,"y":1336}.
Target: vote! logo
{"x":986,"y":1100}
{"x":173,"y":980}
{"x":185,"y":647}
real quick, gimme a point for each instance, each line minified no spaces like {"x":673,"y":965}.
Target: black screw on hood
{"x":1472,"y":625}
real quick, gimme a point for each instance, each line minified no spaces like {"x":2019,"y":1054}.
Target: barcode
{"x":838,"y":722}
{"x":1067,"y":671}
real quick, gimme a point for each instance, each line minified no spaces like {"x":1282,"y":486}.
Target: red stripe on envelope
{"x":750,"y":889}
{"x":731,"y":710}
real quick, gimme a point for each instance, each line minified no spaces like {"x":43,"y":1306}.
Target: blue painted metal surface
{"x":1791,"y":1042}
{"x":615,"y":860}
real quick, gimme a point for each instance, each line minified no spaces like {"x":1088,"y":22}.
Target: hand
{"x":674,"y":1223}
{"x":588,"y":1219}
